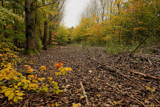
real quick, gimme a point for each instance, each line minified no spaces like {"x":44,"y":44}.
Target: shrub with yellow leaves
{"x":13,"y":84}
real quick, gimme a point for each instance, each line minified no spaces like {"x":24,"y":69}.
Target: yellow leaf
{"x":10,"y":96}
{"x":41,"y":79}
{"x":15,"y":78}
{"x":15,"y":99}
{"x":19,"y":84}
{"x":114,"y":102}
{"x":7,"y":93}
{"x":20,"y":98}
{"x":50,"y":78}
{"x":148,"y":88}
{"x":17,"y":91}
{"x":25,"y":86}
{"x":75,"y":105}
{"x":68,"y":69}
{"x":56,"y":74}
{"x":153,"y":90}
{"x":43,"y":68}
{"x":142,"y":78}
{"x":98,"y":95}
{"x":56,"y":104}
{"x":20,"y":94}
{"x":7,"y":78}
{"x":1,"y":55}
{"x":25,"y":65}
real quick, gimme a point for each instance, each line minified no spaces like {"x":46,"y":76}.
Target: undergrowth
{"x":116,"y":48}
{"x":14,"y":85}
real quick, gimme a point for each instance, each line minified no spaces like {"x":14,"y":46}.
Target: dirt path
{"x":113,"y":86}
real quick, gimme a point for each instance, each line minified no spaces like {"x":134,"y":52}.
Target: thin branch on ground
{"x":84,"y":93}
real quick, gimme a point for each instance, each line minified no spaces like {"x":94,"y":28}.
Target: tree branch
{"x":47,"y":4}
{"x":34,"y":1}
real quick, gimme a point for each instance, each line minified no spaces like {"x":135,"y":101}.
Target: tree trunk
{"x":45,"y":35}
{"x":3,"y":26}
{"x":15,"y":41}
{"x":2,"y":3}
{"x":45,"y":30}
{"x":50,"y":35}
{"x":30,"y":39}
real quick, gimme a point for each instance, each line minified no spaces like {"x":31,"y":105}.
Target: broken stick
{"x":84,"y":93}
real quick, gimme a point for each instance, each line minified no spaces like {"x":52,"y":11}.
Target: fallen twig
{"x":149,"y":61}
{"x":84,"y":93}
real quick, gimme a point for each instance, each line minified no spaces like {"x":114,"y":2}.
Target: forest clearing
{"x":110,"y":58}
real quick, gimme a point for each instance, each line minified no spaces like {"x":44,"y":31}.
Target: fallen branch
{"x":132,"y":53}
{"x":145,"y":75}
{"x":123,"y":93}
{"x":104,"y":67}
{"x":84,"y":93}
{"x":134,"y":72}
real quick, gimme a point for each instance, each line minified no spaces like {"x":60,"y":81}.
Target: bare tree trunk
{"x":3,"y":26}
{"x":30,"y":38}
{"x":45,"y":35}
{"x":15,"y":41}
{"x":50,"y":35}
{"x":45,"y":31}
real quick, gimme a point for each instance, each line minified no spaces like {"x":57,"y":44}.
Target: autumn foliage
{"x":118,"y":23}
{"x":13,"y":84}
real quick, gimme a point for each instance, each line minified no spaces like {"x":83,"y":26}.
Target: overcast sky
{"x":73,"y":11}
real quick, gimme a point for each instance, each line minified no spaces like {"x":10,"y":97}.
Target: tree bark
{"x":30,"y":38}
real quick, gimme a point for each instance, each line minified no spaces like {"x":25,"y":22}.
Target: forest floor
{"x":108,"y":80}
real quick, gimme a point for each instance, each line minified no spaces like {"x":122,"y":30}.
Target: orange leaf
{"x":59,"y":65}
{"x":29,"y":67}
{"x":43,"y":68}
{"x":35,"y":77}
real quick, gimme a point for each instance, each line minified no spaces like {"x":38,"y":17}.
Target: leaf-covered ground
{"x":117,"y":80}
